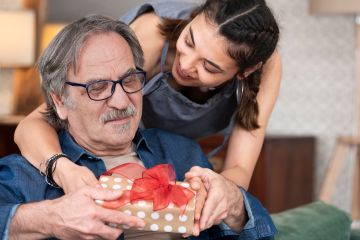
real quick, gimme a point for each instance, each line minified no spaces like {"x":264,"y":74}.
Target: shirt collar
{"x":75,"y":151}
{"x":141,"y":142}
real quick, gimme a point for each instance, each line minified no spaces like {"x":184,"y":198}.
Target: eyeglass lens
{"x":105,"y":89}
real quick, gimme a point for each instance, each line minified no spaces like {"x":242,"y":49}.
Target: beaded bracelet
{"x":50,"y":169}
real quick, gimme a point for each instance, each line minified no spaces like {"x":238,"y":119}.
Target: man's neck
{"x":100,"y":150}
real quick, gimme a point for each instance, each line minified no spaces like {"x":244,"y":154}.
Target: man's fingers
{"x":108,"y":232}
{"x":117,"y":217}
{"x":194,"y":172}
{"x":218,"y":214}
{"x":205,"y":215}
{"x":196,"y":229}
{"x":197,"y":185}
{"x":206,"y":175}
{"x":210,"y":207}
{"x":200,"y":201}
{"x":92,"y":181}
{"x":102,"y":194}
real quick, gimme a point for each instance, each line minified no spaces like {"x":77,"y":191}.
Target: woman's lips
{"x":181,"y":73}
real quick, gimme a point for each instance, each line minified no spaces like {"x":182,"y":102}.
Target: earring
{"x":238,"y":94}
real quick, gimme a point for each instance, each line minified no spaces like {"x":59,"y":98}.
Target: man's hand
{"x":73,"y":216}
{"x":197,"y":185}
{"x":71,"y":177}
{"x":224,"y":200}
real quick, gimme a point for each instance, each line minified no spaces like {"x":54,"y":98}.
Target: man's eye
{"x":99,"y":86}
{"x":130,"y":80}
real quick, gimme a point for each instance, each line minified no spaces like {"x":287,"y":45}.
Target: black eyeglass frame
{"x":113,"y":87}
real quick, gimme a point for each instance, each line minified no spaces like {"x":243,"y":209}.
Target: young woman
{"x":211,"y":69}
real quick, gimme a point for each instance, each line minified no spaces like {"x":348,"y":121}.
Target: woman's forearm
{"x":36,"y":139}
{"x":242,"y":154}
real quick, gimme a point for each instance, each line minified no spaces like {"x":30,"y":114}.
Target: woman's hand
{"x":224,"y":201}
{"x":71,"y":177}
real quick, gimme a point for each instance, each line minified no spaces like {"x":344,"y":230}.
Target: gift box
{"x":164,"y":204}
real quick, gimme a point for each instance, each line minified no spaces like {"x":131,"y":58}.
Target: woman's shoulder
{"x":151,"y":40}
{"x":179,"y":9}
{"x":164,"y":9}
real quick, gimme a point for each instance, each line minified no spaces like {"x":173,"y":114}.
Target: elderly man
{"x":92,"y":80}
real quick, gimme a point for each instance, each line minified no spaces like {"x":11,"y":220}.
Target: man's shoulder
{"x":20,"y":181}
{"x":14,"y":163}
{"x":12,"y":160}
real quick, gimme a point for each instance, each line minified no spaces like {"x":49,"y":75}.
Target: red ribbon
{"x":157,"y":184}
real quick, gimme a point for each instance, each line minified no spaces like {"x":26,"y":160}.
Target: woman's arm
{"x":38,"y":141}
{"x":245,"y":146}
{"x":36,"y":138}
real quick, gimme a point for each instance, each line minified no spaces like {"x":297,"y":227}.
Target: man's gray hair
{"x":63,"y":52}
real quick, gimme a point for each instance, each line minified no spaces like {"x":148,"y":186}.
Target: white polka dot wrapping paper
{"x":169,"y":219}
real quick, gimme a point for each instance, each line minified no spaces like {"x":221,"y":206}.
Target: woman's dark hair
{"x":253,"y":34}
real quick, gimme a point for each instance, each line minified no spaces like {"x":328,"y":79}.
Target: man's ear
{"x":61,"y":108}
{"x":250,"y":70}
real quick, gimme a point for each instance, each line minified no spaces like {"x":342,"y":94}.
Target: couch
{"x":314,"y":221}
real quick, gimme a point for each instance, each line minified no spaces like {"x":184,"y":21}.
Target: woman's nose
{"x":188,"y":63}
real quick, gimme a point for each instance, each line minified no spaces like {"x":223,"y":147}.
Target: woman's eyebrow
{"x":215,"y":65}
{"x":192,"y":36}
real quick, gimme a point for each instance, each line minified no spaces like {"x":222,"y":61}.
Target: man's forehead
{"x":103,"y":53}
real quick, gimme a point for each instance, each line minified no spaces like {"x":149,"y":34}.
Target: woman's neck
{"x":195,"y":94}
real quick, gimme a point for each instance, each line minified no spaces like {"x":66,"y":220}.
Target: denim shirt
{"x":21,"y":183}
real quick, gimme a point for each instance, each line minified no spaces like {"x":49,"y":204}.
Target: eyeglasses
{"x":104,"y":89}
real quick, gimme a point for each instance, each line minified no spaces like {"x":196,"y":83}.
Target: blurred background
{"x":318,"y":101}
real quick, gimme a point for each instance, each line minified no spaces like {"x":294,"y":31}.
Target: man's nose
{"x":119,"y":99}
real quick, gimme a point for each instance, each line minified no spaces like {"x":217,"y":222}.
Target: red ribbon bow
{"x":157,"y":184}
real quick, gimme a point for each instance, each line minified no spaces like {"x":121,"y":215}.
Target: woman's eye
{"x":209,"y":70}
{"x":188,"y":42}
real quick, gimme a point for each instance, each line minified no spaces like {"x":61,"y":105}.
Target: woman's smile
{"x":181,"y":73}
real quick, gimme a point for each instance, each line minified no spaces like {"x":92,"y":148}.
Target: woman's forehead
{"x":209,"y":43}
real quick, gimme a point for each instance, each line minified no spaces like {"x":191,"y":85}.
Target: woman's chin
{"x":182,"y":82}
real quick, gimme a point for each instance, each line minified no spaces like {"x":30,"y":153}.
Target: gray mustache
{"x":117,"y":114}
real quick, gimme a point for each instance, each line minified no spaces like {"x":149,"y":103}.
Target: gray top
{"x":166,"y":108}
